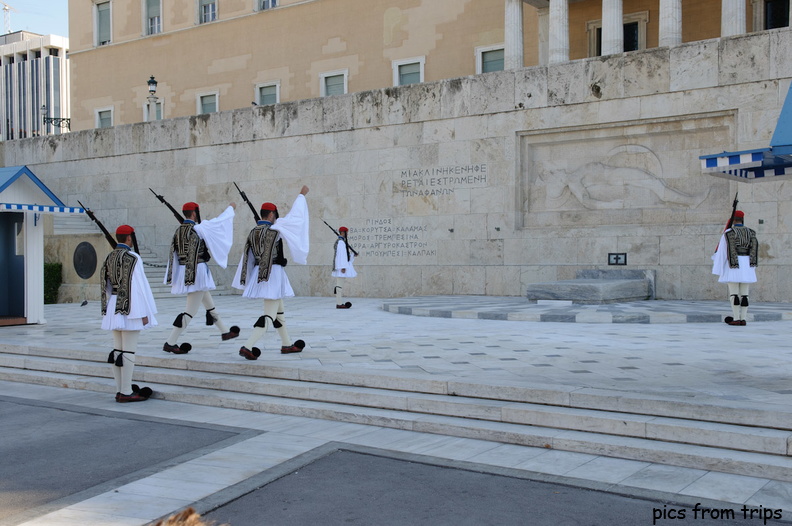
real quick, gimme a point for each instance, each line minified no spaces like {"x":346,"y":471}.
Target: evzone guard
{"x":261,"y":272}
{"x":343,"y":268}
{"x":734,"y":262}
{"x":194,"y":243}
{"x":127,"y":308}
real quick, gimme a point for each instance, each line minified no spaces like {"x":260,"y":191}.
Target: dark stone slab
{"x":590,"y":291}
{"x":52,"y":453}
{"x":352,"y":488}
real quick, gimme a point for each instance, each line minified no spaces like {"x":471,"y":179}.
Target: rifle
{"x":245,"y":198}
{"x":734,"y":210}
{"x":731,"y":219}
{"x":108,"y":235}
{"x":176,"y":214}
{"x":339,"y":235}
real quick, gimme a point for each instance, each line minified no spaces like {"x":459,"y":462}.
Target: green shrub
{"x":53,"y":277}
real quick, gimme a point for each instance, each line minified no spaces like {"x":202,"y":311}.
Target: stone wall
{"x":475,"y":185}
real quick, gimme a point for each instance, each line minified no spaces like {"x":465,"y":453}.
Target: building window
{"x":267,"y":4}
{"x":634,"y":33}
{"x":207,"y":11}
{"x":408,"y":71}
{"x":776,"y":13}
{"x":333,"y":83}
{"x":489,"y":59}
{"x":153,"y":17}
{"x":104,"y":118}
{"x":157,"y":112}
{"x":207,"y":103}
{"x":267,"y":94}
{"x":103,"y":27}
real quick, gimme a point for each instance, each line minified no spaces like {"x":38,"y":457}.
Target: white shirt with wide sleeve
{"x":341,"y":262}
{"x":218,"y":234}
{"x":141,"y":303}
{"x":293,"y":228}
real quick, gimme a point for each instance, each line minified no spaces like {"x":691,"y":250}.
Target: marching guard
{"x":194,"y":243}
{"x":261,"y":272}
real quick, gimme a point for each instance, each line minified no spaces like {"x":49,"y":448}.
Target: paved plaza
{"x":672,"y":351}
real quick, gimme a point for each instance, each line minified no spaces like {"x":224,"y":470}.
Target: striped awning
{"x":767,"y":164}
{"x":748,"y":165}
{"x":44,"y":209}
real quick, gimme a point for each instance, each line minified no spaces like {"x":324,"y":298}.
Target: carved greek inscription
{"x":386,"y":237}
{"x":441,"y":180}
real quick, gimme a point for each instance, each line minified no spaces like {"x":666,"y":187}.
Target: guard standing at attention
{"x":127,"y":308}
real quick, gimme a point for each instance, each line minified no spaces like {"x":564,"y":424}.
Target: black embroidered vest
{"x":190,"y":249}
{"x":742,"y":242}
{"x":261,"y":243}
{"x":117,"y":270}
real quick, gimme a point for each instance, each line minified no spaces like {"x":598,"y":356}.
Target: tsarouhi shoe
{"x":233,"y":332}
{"x":134,"y":397}
{"x":346,"y":305}
{"x":177,"y":349}
{"x":145,"y":392}
{"x":298,"y":346}
{"x":250,"y":354}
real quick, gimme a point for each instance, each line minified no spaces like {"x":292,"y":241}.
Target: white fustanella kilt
{"x":744,"y":274}
{"x":203,"y":280}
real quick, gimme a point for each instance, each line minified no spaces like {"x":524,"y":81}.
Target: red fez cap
{"x":125,"y":230}
{"x":189,"y":206}
{"x":269,"y":207}
{"x":343,"y":229}
{"x":739,"y":214}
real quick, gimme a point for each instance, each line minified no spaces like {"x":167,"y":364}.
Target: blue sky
{"x":39,"y":16}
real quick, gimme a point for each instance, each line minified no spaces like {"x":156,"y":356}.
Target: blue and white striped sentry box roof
{"x":45,"y":209}
{"x":748,"y":165}
{"x":22,"y":191}
{"x":767,"y":164}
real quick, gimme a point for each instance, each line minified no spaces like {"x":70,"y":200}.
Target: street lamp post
{"x":152,"y":99}
{"x":60,"y":122}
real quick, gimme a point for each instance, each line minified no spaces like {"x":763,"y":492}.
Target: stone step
{"x":69,"y":224}
{"x":727,"y":436}
{"x":747,"y":463}
{"x":771,"y":416}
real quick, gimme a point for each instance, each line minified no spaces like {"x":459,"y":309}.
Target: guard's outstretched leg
{"x":213,"y":318}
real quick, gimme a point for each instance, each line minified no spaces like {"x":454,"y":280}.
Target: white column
{"x":34,"y":267}
{"x":559,"y":32}
{"x":757,"y":8}
{"x":513,"y":35}
{"x":732,"y":17}
{"x":670,"y":23}
{"x":544,"y":34}
{"x":612,"y":27}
